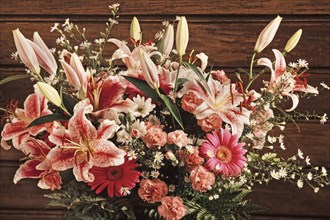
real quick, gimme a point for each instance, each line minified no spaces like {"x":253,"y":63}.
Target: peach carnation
{"x":201,"y":179}
{"x":190,"y":102}
{"x":178,"y":137}
{"x":152,"y":190}
{"x":194,"y":159}
{"x":172,"y":208}
{"x":155,"y":136}
{"x":211,"y":122}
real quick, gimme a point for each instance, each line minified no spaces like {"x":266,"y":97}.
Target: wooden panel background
{"x":224,"y":30}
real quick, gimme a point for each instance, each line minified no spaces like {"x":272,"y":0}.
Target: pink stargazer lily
{"x":38,"y":166}
{"x":283,"y":82}
{"x":222,"y":99}
{"x":35,"y":106}
{"x":82,"y":146}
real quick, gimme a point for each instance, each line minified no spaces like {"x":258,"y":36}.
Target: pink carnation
{"x":211,"y":122}
{"x":172,"y":208}
{"x":155,"y":136}
{"x":194,"y":159}
{"x":190,"y":101}
{"x":152,"y":190}
{"x":223,"y":153}
{"x":178,"y":137}
{"x":201,"y":179}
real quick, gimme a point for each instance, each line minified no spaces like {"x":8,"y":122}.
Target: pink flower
{"x":221,"y":76}
{"x":172,"y":208}
{"x":190,"y":102}
{"x":83,"y":146}
{"x":155,"y":136}
{"x":223,"y":152}
{"x":201,"y":179}
{"x":178,"y":137}
{"x":211,"y":122}
{"x":152,"y":190}
{"x":194,"y":159}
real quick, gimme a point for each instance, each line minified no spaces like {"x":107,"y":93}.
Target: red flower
{"x":115,"y":178}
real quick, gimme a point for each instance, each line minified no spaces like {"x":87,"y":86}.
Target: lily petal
{"x":295,"y":101}
{"x":107,"y":129}
{"x":27,"y":170}
{"x":105,"y":154}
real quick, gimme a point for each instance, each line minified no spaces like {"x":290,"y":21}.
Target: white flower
{"x":324,"y":171}
{"x":211,"y":198}
{"x":144,"y":107}
{"x":159,"y":156}
{"x":99,"y":41}
{"x":114,"y":6}
{"x":293,"y":65}
{"x":84,"y":45}
{"x":123,"y":136}
{"x":275,"y":175}
{"x":300,"y":154}
{"x":154,"y":174}
{"x":171,"y":188}
{"x":138,"y":129}
{"x":325,"y":85}
{"x":216,"y":196}
{"x":131,"y":155}
{"x":293,"y":176}
{"x":14,"y":55}
{"x":302,"y":63}
{"x":282,"y":172}
{"x":124,"y":191}
{"x":308,"y":160}
{"x":282,"y":146}
{"x":324,"y":118}
{"x":316,"y":189}
{"x":300,"y":183}
{"x":271,"y":139}
{"x":309,"y":176}
{"x":54,"y":27}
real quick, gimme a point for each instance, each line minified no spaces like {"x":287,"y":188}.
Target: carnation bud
{"x":50,"y":93}
{"x":293,"y":41}
{"x":182,"y":36}
{"x":135,"y":30}
{"x":267,"y":35}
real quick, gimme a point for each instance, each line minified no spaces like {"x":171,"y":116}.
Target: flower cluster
{"x":161,"y":129}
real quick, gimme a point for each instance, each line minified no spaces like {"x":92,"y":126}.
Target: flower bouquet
{"x":152,"y":132}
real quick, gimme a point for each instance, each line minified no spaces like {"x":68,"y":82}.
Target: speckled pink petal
{"x":126,"y":105}
{"x":27,"y":170}
{"x":106,"y":154}
{"x":59,"y":135}
{"x":107,"y":129}
{"x":34,"y":147}
{"x":61,"y":158}
{"x":32,"y":106}
{"x":14,"y":129}
{"x":112,"y":91}
{"x":81,"y":172}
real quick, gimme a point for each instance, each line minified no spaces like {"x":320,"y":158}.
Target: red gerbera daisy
{"x":118,"y":179}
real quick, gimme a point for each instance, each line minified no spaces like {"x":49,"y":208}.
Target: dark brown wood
{"x":228,"y":43}
{"x":165,"y":7}
{"x":23,"y":214}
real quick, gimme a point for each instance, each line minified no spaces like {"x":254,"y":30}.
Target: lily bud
{"x":168,"y":40}
{"x":149,"y":70}
{"x":182,"y":36}
{"x":267,"y":34}
{"x":135,"y":30}
{"x":44,"y":56}
{"x":26,"y":52}
{"x":50,"y":93}
{"x":293,"y":41}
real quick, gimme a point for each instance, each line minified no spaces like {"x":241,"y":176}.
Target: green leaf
{"x":200,"y":75}
{"x":238,"y":75}
{"x":241,"y":70}
{"x":144,"y":87}
{"x":13,"y":78}
{"x":49,"y":118}
{"x":68,"y":102}
{"x":173,"y":109}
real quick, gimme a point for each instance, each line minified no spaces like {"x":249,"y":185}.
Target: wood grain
{"x":165,"y":7}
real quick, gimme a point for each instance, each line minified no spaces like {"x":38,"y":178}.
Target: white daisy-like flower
{"x":275,"y":175}
{"x":171,"y":188}
{"x":66,"y":22}
{"x":216,"y":196}
{"x":211,"y":198}
{"x":113,"y":21}
{"x":114,"y":6}
{"x":99,"y":41}
{"x":324,"y":171}
{"x":154,"y":174}
{"x":324,"y":118}
{"x":271,"y":139}
{"x":293,"y":65}
{"x":85,"y":45}
{"x":282,"y":172}
{"x":159,"y":156}
{"x":302,"y":63}
{"x":132,"y":155}
{"x":316,"y":189}
{"x":300,"y":183}
{"x":124,"y":191}
{"x":325,"y":85}
{"x":300,"y":154}
{"x":282,"y":146}
{"x":308,"y":160}
{"x":138,"y":129}
{"x":54,"y":27}
{"x":123,"y":136}
{"x":144,"y":107}
{"x":14,"y":55}
{"x":293,"y":176}
{"x":309,"y":176}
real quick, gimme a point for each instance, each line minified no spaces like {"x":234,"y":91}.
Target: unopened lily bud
{"x":293,"y":41}
{"x":267,"y":35}
{"x":182,"y":36}
{"x":168,"y":40}
{"x":50,"y":93}
{"x":149,"y":70}
{"x":26,"y":52}
{"x":135,"y":30}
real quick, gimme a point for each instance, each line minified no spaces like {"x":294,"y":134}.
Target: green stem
{"x":251,"y":65}
{"x":177,"y":75}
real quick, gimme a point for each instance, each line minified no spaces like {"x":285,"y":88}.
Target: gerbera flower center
{"x":115,"y":173}
{"x":224,"y":154}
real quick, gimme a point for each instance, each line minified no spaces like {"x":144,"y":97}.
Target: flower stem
{"x":251,"y":65}
{"x":177,"y":75}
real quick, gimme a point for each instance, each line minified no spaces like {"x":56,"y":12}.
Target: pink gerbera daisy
{"x":223,"y":153}
{"x":118,"y":179}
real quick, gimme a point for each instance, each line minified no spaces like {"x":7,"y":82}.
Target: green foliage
{"x":49,"y":118}
{"x":82,"y":203}
{"x":13,"y":78}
